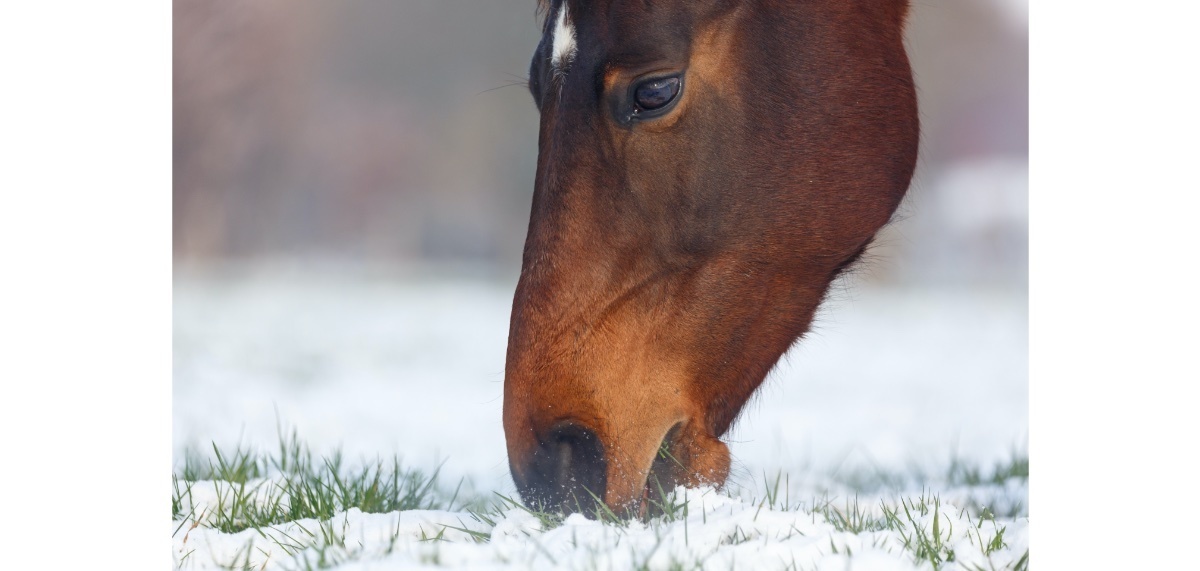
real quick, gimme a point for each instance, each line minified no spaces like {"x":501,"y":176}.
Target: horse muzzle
{"x":573,"y":468}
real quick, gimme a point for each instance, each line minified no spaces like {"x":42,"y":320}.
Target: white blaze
{"x":564,"y":40}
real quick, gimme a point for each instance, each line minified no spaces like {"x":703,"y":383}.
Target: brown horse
{"x":706,"y":168}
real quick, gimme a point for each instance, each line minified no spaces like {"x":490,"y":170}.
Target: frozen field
{"x":874,"y":404}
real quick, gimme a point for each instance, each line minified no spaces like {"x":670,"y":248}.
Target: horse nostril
{"x":568,"y":471}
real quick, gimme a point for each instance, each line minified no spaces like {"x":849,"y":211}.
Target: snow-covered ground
{"x":890,"y":380}
{"x":719,"y":532}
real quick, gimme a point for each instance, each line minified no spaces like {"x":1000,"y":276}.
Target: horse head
{"x":706,"y":168}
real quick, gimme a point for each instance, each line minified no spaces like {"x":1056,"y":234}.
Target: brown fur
{"x":671,"y":262}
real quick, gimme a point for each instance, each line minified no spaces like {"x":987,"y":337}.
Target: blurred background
{"x":352,"y":185}
{"x":397,"y":132}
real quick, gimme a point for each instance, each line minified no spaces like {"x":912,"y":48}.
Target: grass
{"x":966,"y":474}
{"x":255,"y":490}
{"x":241,"y":489}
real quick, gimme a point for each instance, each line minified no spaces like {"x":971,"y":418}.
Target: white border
{"x":85,"y":306}
{"x":1114,"y":204}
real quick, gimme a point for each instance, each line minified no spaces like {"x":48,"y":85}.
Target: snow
{"x":719,"y":532}
{"x":891,"y":379}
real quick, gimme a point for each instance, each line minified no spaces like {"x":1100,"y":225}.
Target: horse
{"x":706,"y":169}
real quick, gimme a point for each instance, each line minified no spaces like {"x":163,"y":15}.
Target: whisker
{"x":513,"y":84}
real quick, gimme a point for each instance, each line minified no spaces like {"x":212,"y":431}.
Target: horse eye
{"x":656,"y":93}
